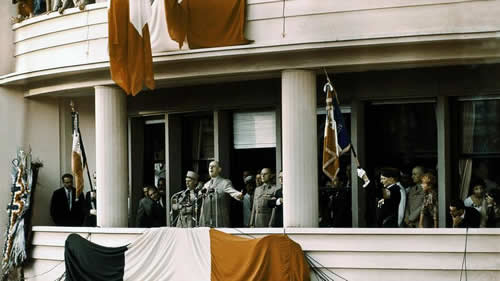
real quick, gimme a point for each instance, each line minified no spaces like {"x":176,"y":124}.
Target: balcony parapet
{"x":286,"y":34}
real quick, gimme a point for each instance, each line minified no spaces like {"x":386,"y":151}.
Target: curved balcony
{"x":340,"y":35}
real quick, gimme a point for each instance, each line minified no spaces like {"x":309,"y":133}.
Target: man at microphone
{"x":217,"y":193}
{"x":185,"y":202}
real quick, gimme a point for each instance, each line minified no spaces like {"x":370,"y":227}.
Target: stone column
{"x":111,"y":156}
{"x":299,"y":138}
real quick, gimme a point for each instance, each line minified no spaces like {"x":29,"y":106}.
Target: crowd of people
{"x":209,"y":204}
{"x":29,"y":8}
{"x":261,"y":200}
{"x":416,"y":206}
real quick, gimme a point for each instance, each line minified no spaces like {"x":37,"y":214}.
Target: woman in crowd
{"x":429,"y":212}
{"x":493,"y":208}
{"x":477,"y":201}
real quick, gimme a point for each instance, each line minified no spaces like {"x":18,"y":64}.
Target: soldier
{"x":185,"y":202}
{"x":261,"y":212}
{"x":216,"y":195}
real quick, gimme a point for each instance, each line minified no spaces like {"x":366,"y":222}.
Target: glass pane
{"x":400,"y":136}
{"x":480,"y":126}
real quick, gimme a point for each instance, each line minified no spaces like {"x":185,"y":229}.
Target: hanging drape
{"x":207,"y":23}
{"x":465,"y":165}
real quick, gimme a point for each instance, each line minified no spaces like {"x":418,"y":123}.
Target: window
{"x":479,"y":143}
{"x":399,"y":134}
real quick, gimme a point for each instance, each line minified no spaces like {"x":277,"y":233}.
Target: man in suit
{"x":389,"y":204}
{"x":464,"y":217}
{"x":162,"y":186}
{"x":415,"y":200}
{"x":277,"y":204}
{"x":151,"y":212}
{"x":65,"y":208}
{"x":261,"y":212}
{"x":217,"y":193}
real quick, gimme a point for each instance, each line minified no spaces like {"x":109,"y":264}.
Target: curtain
{"x":465,"y":165}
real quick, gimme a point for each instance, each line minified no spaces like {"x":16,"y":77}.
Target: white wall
{"x":7,"y":10}
{"x":11,"y":137}
{"x":356,"y":254}
{"x":76,"y":38}
{"x":41,"y":130}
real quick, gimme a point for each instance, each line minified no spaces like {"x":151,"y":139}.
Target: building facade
{"x":417,"y":81}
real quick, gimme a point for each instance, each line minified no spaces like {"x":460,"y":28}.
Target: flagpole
{"x":84,"y":155}
{"x":361,"y":172}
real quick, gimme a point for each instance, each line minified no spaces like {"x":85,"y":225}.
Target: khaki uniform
{"x":261,"y":213}
{"x":186,"y":207}
{"x":414,"y":205}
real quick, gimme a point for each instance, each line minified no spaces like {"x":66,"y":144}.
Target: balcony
{"x":355,"y":254}
{"x":340,"y":35}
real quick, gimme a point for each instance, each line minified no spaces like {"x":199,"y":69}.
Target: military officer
{"x":217,"y":193}
{"x":185,"y":202}
{"x":261,"y":212}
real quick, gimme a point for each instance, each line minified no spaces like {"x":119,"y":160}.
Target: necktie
{"x":69,"y":200}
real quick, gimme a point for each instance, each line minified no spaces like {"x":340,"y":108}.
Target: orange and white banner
{"x":130,"y":57}
{"x":77,"y":163}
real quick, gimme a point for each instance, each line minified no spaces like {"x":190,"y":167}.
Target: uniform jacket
{"x":277,"y":214}
{"x":261,"y":212}
{"x":414,"y":203}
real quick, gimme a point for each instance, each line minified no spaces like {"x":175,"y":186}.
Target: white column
{"x":300,"y":166}
{"x":111,"y":156}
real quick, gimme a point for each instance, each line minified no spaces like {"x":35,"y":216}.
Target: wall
{"x":7,"y":10}
{"x":80,"y":38}
{"x":42,"y":134}
{"x":355,"y":254}
{"x":12,"y":111}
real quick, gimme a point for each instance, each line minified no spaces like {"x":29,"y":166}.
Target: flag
{"x":336,"y":140}
{"x":77,"y":160}
{"x":131,"y":61}
{"x":181,"y":254}
{"x":207,"y":23}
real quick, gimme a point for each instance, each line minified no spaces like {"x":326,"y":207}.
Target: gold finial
{"x":72,"y":104}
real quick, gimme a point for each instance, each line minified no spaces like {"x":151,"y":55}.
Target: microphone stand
{"x":175,"y":196}
{"x":216,"y":209}
{"x":211,"y":209}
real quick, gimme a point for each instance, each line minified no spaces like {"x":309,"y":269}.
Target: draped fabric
{"x":169,"y":254}
{"x":159,"y":32}
{"x":207,"y":23}
{"x":131,"y":61}
{"x":273,"y":258}
{"x":465,"y":165}
{"x":86,"y":261}
{"x":331,"y":162}
{"x":177,"y":254}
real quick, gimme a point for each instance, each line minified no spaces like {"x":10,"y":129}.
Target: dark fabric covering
{"x":86,"y":261}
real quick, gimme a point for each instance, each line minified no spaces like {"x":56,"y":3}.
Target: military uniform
{"x":215,"y":207}
{"x":186,"y":207}
{"x":414,"y":205}
{"x":261,"y":212}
